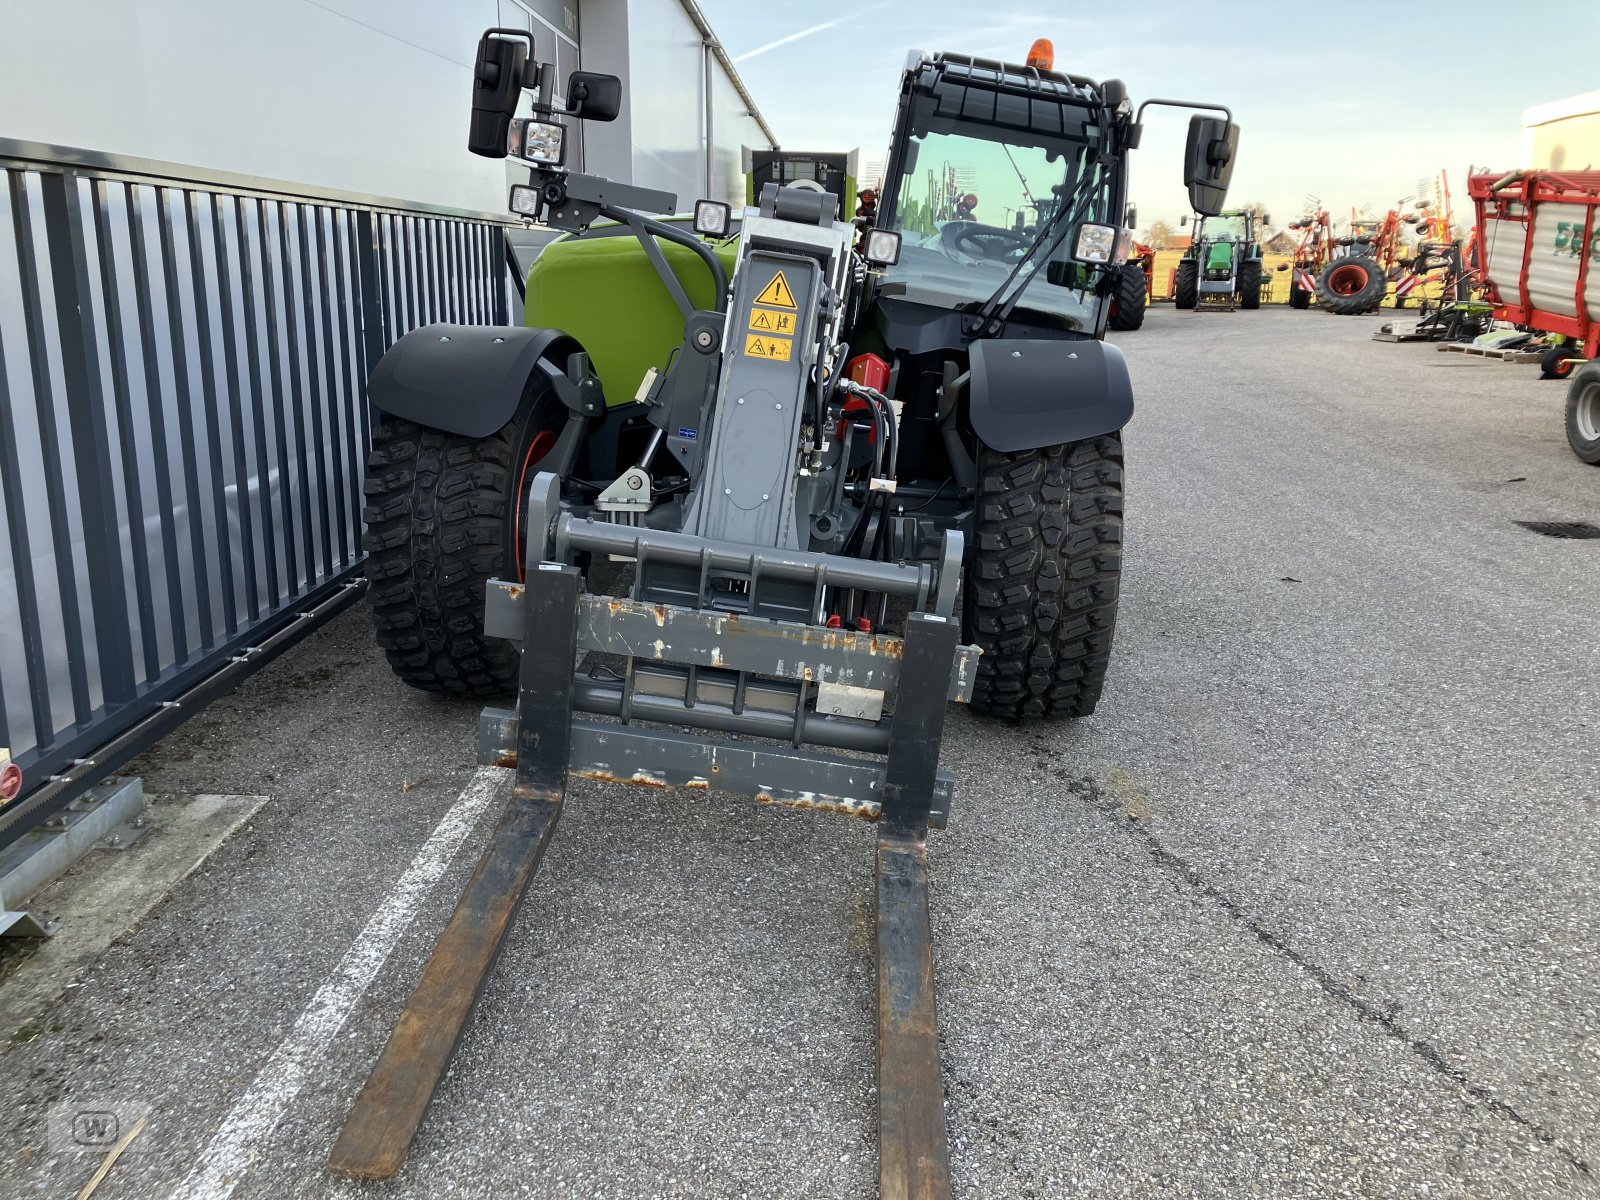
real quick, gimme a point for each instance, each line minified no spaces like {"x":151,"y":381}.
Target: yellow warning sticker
{"x":776,"y":348}
{"x":770,"y":320}
{"x":777,"y":293}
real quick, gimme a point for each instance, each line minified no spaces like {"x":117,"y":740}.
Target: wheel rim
{"x":1586,"y":413}
{"x":1347,"y":281}
{"x":543,"y":442}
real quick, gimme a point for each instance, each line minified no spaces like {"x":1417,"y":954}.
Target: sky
{"x":1322,"y":110}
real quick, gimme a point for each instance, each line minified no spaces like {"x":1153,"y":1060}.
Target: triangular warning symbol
{"x":761,"y":320}
{"x":777,"y":293}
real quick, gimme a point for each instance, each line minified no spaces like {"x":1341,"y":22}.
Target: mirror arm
{"x":1135,"y":132}
{"x":1226,"y":112}
{"x":543,"y":87}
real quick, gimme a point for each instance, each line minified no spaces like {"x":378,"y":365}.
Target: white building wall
{"x":660,"y":140}
{"x":733,"y":126}
{"x":666,"y":82}
{"x":368,"y":96}
{"x":1563,"y":135}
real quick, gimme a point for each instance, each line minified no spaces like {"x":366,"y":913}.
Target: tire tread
{"x":1043,"y":577}
{"x":436,"y":531}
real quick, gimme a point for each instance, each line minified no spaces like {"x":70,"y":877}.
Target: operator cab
{"x":1004,"y":184}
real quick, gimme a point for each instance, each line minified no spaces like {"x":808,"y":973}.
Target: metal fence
{"x":183,"y":424}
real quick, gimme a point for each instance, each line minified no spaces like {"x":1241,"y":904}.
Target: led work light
{"x":542,"y":143}
{"x":882,"y":248}
{"x":1095,"y":244}
{"x":711,"y":218}
{"x":525,"y":201}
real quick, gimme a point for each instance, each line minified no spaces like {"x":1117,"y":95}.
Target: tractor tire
{"x":1299,"y":297}
{"x":1042,"y":578}
{"x":442,"y":518}
{"x":1186,"y":286}
{"x":1127,"y":301}
{"x":1556,"y":363}
{"x":1583,"y":413}
{"x":1250,"y":283}
{"x":1351,"y":285}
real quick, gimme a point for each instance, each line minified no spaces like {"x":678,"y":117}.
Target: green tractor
{"x":852,"y":473}
{"x":1223,"y":263}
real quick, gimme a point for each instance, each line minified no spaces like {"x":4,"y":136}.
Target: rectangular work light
{"x":882,"y":248}
{"x":542,"y":143}
{"x":1095,"y":243}
{"x":525,"y":201}
{"x":711,"y":218}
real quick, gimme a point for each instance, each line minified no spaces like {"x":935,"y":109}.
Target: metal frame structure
{"x":183,"y":422}
{"x":1518,"y":201}
{"x":549,"y":738}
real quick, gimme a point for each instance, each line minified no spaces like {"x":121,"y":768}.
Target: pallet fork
{"x":713,"y":672}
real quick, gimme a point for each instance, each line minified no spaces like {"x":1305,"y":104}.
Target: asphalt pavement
{"x":1307,"y":909}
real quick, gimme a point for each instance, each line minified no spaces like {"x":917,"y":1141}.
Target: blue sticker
{"x":688,"y":435}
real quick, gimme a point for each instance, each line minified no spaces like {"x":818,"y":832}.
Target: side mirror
{"x":1208,"y":163}
{"x":594,"y":97}
{"x":1183,"y":220}
{"x":1131,"y":217}
{"x":496,"y":88}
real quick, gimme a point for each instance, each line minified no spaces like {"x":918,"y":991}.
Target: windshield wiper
{"x":988,"y":318}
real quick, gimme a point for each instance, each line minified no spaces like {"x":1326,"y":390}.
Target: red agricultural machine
{"x":1538,"y":237}
{"x":1372,"y":253}
{"x":1311,"y":255}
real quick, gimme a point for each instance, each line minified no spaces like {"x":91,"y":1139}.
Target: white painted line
{"x":238,"y":1141}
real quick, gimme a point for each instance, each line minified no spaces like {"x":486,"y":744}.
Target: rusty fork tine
{"x":383,"y":1121}
{"x":378,"y":1133}
{"x":913,"y":1153}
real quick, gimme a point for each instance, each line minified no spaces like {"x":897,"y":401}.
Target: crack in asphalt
{"x":1093,"y":793}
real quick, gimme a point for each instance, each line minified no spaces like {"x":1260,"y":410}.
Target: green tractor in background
{"x":1222,"y":264}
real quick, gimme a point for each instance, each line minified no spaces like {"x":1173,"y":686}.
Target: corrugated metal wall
{"x":183,"y":423}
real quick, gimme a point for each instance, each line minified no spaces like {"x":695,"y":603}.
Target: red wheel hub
{"x":1347,"y":281}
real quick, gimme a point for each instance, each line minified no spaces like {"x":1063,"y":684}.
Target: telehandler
{"x":858,"y":472}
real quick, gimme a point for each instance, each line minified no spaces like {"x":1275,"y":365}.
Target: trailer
{"x":1537,"y":235}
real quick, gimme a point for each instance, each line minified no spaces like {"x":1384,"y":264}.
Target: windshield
{"x":968,"y":208}
{"x":1225,"y":229}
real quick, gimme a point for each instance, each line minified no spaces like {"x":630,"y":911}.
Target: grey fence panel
{"x":183,"y":425}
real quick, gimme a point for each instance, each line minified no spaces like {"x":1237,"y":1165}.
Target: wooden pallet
{"x":1506,"y":356}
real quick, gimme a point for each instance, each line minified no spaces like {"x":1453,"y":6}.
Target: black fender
{"x":1027,"y":394}
{"x":463,"y":379}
